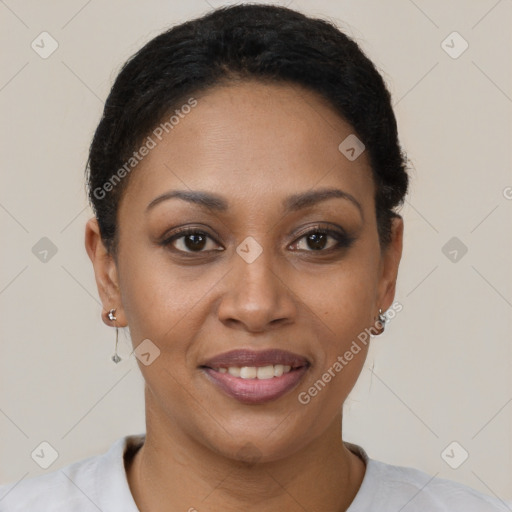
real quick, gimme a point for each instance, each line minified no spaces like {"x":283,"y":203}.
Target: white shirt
{"x":99,"y":483}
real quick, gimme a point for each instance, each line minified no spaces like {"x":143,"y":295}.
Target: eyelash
{"x":343,"y":241}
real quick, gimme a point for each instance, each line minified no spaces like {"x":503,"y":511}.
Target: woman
{"x":244,"y":179}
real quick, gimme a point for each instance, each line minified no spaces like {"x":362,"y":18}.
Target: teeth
{"x":265,"y":372}
{"x":256,"y":372}
{"x":248,"y":372}
{"x":234,"y":370}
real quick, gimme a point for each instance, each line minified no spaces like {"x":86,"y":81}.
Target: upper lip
{"x":246,"y":357}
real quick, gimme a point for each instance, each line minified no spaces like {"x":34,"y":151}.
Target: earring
{"x":382,"y":320}
{"x":113,"y":318}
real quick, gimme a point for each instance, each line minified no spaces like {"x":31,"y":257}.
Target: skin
{"x":255,"y":144}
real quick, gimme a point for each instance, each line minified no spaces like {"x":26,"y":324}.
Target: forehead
{"x":251,"y":141}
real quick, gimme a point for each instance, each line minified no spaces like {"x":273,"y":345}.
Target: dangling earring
{"x":113,"y":318}
{"x":382,"y":321}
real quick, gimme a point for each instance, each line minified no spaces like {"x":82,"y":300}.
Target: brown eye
{"x":194,"y":242}
{"x":317,"y":240}
{"x":189,"y":241}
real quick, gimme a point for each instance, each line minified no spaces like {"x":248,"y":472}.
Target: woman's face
{"x":256,"y":276}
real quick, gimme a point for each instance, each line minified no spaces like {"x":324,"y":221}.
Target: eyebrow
{"x":290,"y":204}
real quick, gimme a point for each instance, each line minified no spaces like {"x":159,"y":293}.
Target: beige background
{"x":441,"y":372}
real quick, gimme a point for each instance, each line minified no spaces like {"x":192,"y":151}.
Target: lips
{"x":253,"y":358}
{"x":255,"y":390}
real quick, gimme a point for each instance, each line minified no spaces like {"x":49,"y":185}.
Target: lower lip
{"x":256,"y":391}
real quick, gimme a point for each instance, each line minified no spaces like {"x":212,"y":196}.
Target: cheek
{"x":343,"y":302}
{"x":159,"y":296}
{"x":344,"y":296}
{"x":350,"y":301}
{"x":344,"y":347}
{"x":155,"y":296}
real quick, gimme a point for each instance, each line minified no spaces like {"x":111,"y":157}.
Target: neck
{"x":172,"y":471}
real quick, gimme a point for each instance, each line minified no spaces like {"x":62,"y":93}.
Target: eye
{"x":189,"y":240}
{"x":192,"y":240}
{"x":317,"y":239}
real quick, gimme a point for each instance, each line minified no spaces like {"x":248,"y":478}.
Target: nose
{"x":257,"y":297}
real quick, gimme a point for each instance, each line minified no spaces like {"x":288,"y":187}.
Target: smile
{"x":255,"y":372}
{"x":253,"y":390}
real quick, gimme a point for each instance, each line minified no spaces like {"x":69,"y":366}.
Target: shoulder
{"x":422,"y":491}
{"x":80,"y":486}
{"x":65,"y":489}
{"x":389,"y":488}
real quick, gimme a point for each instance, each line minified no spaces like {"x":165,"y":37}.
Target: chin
{"x":254,"y":447}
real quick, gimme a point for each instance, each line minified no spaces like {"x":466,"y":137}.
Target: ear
{"x":105,"y":271}
{"x":389,"y":265}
